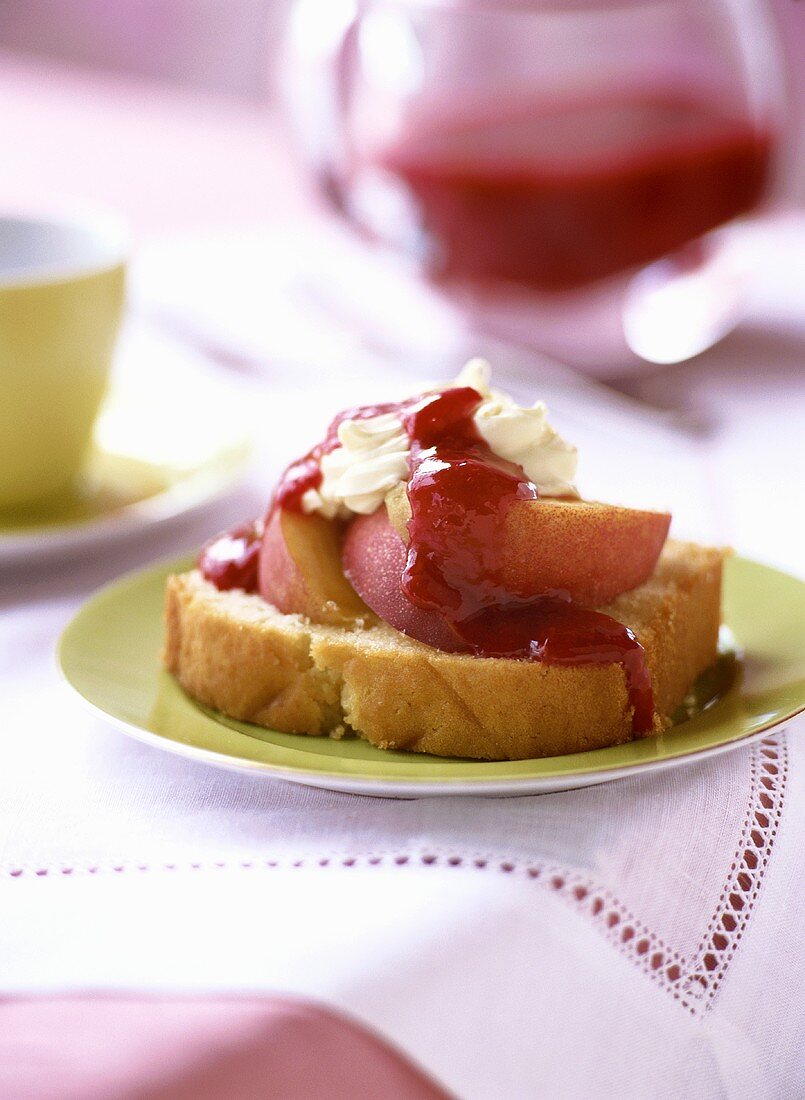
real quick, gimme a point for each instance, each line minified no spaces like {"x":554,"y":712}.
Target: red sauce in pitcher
{"x":558,"y":199}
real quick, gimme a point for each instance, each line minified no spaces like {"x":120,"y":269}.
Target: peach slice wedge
{"x":301,"y":572}
{"x":592,"y":551}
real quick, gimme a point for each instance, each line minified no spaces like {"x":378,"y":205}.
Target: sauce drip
{"x":460,"y":493}
{"x":231,"y":560}
{"x":305,"y":473}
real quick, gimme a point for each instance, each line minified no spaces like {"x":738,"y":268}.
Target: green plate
{"x":110,"y":654}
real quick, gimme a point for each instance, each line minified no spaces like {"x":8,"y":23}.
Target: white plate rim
{"x":187,"y":495}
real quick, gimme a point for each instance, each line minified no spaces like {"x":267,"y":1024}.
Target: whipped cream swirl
{"x":372,"y":456}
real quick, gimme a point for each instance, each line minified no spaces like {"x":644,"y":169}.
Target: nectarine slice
{"x":374,"y":558}
{"x":301,"y":572}
{"x":593,"y":551}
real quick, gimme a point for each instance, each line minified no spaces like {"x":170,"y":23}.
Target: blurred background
{"x":219,"y":46}
{"x":213,"y":58}
{"x":229,"y":153}
{"x":99,"y":95}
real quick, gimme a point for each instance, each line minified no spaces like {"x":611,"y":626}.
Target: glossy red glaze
{"x":459,"y":494}
{"x":558,"y":199}
{"x":557,"y":632}
{"x":231,"y":560}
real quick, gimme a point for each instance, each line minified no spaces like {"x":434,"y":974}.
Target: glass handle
{"x":312,"y":82}
{"x":683,"y":304}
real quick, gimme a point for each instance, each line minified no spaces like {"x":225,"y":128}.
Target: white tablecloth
{"x":639,"y":939}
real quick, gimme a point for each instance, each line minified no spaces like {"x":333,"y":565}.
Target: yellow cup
{"x":62,"y":287}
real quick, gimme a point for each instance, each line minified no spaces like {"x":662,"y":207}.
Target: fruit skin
{"x":592,"y":551}
{"x":300,"y":570}
{"x":374,"y":558}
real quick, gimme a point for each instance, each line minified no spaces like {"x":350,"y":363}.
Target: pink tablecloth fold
{"x":158,"y":1048}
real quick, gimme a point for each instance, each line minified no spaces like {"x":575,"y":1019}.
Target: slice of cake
{"x":427,"y":578}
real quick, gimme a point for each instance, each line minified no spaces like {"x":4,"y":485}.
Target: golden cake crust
{"x":239,"y":655}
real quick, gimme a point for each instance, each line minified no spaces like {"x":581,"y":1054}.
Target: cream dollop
{"x":522,"y":435}
{"x":372,"y":456}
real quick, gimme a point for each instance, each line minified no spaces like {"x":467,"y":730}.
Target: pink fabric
{"x":167,"y":160}
{"x":119,"y":1048}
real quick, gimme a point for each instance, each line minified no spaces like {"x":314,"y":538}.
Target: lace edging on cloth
{"x":692,"y":981}
{"x":769,"y":776}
